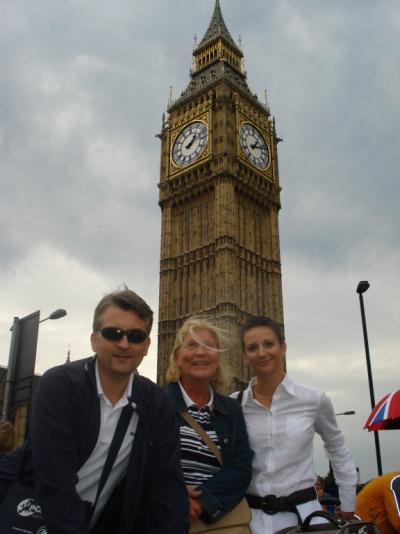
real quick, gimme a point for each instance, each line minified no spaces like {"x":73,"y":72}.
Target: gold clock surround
{"x":195,"y":138}
{"x":257,"y":153}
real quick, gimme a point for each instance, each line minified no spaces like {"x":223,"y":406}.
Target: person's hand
{"x":195,"y":506}
{"x":347,"y":516}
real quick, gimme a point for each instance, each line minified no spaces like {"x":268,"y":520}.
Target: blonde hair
{"x":220,"y":380}
{"x":7,"y":436}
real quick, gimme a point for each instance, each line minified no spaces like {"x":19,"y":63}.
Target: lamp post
{"x":22,"y":356}
{"x":362,"y":288}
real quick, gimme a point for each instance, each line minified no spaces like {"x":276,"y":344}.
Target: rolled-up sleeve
{"x":338,"y":453}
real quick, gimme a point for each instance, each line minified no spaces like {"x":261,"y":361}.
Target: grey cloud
{"x":82,"y":91}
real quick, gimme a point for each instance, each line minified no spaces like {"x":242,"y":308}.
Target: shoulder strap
{"x":116,"y":442}
{"x":203,"y":434}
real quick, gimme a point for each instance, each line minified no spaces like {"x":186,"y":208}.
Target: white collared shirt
{"x":282,"y":440}
{"x":190,"y":402}
{"x":90,"y":472}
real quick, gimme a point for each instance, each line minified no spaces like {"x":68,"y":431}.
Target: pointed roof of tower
{"x":216,"y":59}
{"x":217,"y":29}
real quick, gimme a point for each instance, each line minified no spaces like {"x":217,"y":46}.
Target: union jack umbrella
{"x":386,"y":414}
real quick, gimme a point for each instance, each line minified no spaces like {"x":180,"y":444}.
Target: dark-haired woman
{"x":282,"y":418}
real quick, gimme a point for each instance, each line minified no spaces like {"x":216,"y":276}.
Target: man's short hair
{"x":255,"y":321}
{"x":125,"y":299}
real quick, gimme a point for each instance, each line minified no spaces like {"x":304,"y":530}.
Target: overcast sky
{"x":83,"y":87}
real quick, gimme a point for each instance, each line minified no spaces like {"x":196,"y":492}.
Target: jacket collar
{"x":90,"y":366}
{"x":174,"y":391}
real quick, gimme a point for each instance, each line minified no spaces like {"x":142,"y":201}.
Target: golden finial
{"x":266,"y":105}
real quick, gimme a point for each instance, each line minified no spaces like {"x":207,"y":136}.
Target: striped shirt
{"x":197,"y":460}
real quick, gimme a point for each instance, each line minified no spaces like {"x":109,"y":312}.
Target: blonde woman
{"x":195,"y":378}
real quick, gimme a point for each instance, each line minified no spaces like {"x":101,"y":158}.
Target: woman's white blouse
{"x":282,"y":440}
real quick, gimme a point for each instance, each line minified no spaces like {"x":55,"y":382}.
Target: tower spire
{"x":217,"y":29}
{"x":215,"y":58}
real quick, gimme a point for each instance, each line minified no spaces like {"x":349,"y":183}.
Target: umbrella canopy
{"x":386,"y":414}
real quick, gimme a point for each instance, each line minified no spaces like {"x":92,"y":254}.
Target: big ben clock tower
{"x":220,"y":197}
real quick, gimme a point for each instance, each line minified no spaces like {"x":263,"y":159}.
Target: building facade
{"x":220,"y":198}
{"x":23,"y":394}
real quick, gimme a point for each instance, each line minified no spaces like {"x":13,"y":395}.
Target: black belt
{"x":271,"y":504}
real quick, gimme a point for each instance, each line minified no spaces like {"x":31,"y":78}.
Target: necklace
{"x":265,"y":399}
{"x":269,"y":396}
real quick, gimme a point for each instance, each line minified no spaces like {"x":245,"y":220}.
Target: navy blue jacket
{"x":228,"y":486}
{"x":64,"y":430}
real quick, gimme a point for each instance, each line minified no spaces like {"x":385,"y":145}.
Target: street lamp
{"x":362,"y":288}
{"x":57,"y":314}
{"x":22,"y":356}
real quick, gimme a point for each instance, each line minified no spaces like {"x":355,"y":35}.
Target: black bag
{"x":336,"y":524}
{"x":20,"y":512}
{"x":16,"y":466}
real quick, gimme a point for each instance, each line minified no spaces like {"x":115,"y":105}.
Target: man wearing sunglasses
{"x":75,"y":417}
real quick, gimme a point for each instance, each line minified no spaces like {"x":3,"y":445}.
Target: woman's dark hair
{"x":255,"y":321}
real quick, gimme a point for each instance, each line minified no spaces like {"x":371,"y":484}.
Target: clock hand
{"x":191,"y":141}
{"x":255,"y":145}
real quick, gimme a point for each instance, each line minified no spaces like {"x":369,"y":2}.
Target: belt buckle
{"x":269,"y":504}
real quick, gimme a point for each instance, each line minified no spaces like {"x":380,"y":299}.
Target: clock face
{"x":254,"y":146}
{"x":190,"y":143}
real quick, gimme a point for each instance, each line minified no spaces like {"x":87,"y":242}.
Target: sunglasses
{"x":112,"y":333}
